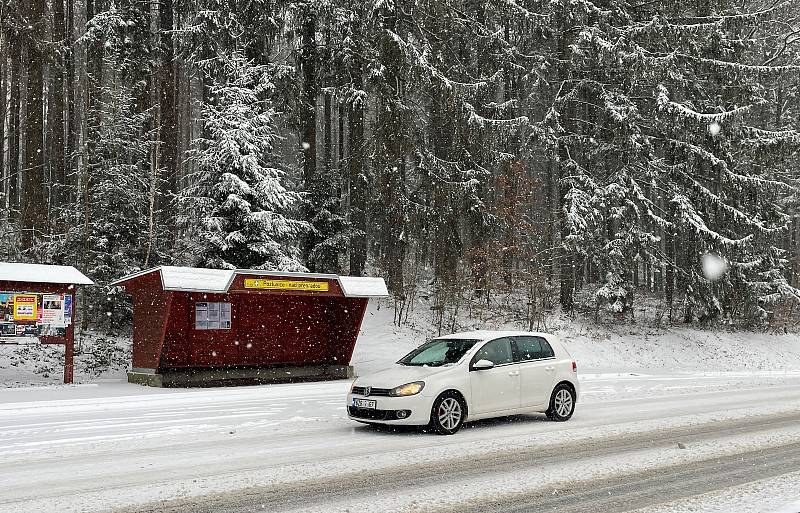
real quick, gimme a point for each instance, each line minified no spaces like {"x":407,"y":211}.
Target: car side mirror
{"x":483,"y":365}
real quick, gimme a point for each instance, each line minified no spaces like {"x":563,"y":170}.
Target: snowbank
{"x":606,"y":349}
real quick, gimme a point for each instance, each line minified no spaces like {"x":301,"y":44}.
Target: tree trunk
{"x":56,"y":124}
{"x":74,"y":109}
{"x":13,"y":132}
{"x":3,"y":111}
{"x":34,"y":210}
{"x":307,"y":118}
{"x":358,"y":184}
{"x":669,"y":274}
{"x":566,"y":256}
{"x":168,"y":129}
{"x":90,"y":78}
{"x":327,"y":144}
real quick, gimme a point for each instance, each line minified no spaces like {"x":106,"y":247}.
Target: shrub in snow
{"x":614,"y":293}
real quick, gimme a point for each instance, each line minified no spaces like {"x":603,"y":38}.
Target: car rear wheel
{"x":448,"y":413}
{"x":562,"y":403}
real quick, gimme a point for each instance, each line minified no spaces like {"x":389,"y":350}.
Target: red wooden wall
{"x":151,"y":309}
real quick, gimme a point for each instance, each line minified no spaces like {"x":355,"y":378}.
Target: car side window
{"x":532,"y":348}
{"x":547,"y":351}
{"x":496,"y":351}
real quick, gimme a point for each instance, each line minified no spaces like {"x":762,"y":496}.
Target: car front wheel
{"x":562,"y":403}
{"x":448,"y":413}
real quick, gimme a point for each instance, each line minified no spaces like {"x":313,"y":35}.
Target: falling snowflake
{"x":713,"y":266}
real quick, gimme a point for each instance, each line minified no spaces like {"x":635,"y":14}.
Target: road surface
{"x":635,"y":441}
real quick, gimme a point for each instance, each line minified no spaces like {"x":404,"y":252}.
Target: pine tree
{"x":238,"y":206}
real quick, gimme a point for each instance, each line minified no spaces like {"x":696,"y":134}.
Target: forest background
{"x":560,"y":155}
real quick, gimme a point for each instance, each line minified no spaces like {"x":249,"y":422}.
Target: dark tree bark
{"x":94,"y":55}
{"x":669,"y":274}
{"x":168,"y":130}
{"x":13,"y":132}
{"x":3,"y":111}
{"x":56,"y":112}
{"x":308,"y":99}
{"x":327,"y":144}
{"x":73,"y":108}
{"x":308,"y":123}
{"x":567,"y":255}
{"x":34,"y":209}
{"x":358,"y":184}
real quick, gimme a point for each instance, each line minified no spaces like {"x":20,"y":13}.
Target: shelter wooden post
{"x":69,"y":349}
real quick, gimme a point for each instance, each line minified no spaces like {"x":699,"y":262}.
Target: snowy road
{"x":288,"y":447}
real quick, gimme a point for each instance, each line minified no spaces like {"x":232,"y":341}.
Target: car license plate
{"x":364,"y":403}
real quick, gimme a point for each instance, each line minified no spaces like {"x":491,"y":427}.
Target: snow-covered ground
{"x":611,"y":348}
{"x":92,"y":447}
{"x":105,"y":443}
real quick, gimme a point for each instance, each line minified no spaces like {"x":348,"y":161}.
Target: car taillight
{"x":574,"y":367}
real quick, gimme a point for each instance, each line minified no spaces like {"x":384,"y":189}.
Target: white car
{"x":470,"y":376}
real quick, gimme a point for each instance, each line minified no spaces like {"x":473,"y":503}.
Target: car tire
{"x":562,"y":403}
{"x":448,"y":413}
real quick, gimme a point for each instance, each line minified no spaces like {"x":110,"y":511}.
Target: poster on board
{"x":24,"y":317}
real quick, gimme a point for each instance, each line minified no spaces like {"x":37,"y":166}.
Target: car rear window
{"x":533,"y":348}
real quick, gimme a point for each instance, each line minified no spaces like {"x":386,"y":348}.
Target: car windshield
{"x":438,"y":352}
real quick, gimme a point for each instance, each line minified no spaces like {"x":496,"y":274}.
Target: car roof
{"x":490,"y":334}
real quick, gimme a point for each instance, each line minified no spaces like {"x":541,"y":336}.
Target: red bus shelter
{"x":199,"y":327}
{"x":37,"y":306}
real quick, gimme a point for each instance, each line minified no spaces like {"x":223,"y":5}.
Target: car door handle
{"x":549,"y":368}
{"x":513,"y":373}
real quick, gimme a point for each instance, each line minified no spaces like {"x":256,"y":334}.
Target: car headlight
{"x":407,"y":389}
{"x":353,"y":384}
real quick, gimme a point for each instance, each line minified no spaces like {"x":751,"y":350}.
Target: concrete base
{"x":238,"y":375}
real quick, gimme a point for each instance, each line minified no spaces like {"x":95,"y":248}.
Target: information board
{"x":24,"y":317}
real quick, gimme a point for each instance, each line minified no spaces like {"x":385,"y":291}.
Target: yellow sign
{"x":316,"y":286}
{"x":25,"y":307}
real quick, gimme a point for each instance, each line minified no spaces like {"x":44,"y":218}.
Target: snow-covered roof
{"x":195,"y":279}
{"x":488,"y":334}
{"x":40,"y":273}
{"x":187,"y":279}
{"x":354,"y":286}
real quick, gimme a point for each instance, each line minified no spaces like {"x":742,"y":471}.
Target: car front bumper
{"x":387,"y":408}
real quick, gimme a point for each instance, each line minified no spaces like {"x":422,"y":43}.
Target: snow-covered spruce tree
{"x":237,"y":208}
{"x":715,"y":193}
{"x":620,"y":100}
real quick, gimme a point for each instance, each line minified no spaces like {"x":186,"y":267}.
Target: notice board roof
{"x":195,"y":279}
{"x":41,"y":273}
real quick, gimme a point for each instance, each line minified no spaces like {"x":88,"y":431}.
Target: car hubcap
{"x":449,"y":413}
{"x":563,"y":402}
